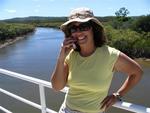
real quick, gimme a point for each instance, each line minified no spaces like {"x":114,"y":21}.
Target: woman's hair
{"x":99,"y":34}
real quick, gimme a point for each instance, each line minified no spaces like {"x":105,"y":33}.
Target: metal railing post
{"x":42,"y":98}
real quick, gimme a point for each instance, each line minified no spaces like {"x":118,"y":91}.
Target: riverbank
{"x":143,"y":61}
{"x":11,"y":41}
{"x":12,"y":32}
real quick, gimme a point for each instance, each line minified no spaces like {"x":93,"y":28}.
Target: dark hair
{"x":99,"y":35}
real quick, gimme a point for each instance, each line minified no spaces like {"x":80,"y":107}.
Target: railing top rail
{"x":26,"y":78}
{"x":121,"y":105}
{"x":29,"y":79}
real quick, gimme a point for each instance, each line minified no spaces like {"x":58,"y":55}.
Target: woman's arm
{"x":132,"y":69}
{"x":60,"y":73}
{"x":59,"y":76}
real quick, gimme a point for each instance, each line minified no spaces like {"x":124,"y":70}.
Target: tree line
{"x":130,"y":34}
{"x":13,"y":30}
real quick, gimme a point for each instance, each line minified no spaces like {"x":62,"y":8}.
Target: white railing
{"x":42,"y":84}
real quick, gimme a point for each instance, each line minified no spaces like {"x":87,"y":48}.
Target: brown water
{"x":36,"y":56}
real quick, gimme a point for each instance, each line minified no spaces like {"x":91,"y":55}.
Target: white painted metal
{"x":122,"y":105}
{"x":42,"y":98}
{"x":132,"y":107}
{"x":20,"y":98}
{"x":5,"y":110}
{"x":26,"y":78}
{"x":24,"y":100}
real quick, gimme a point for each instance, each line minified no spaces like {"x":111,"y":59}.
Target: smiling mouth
{"x":81,"y":38}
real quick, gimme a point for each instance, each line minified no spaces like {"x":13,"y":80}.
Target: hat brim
{"x":64,"y":25}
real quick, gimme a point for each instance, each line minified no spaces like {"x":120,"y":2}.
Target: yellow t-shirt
{"x":89,"y":78}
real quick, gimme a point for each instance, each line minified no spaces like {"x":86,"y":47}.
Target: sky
{"x":57,"y":8}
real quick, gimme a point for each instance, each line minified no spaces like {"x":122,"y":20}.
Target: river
{"x":35,"y":56}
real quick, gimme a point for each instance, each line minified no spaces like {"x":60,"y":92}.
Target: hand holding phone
{"x":74,"y":46}
{"x":74,"y":43}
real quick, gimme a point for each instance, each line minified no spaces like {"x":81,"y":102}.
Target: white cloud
{"x":10,"y":10}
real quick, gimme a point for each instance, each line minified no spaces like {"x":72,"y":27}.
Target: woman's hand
{"x":109,"y":101}
{"x":66,"y":46}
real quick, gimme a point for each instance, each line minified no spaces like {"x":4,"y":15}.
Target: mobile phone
{"x":74,"y":46}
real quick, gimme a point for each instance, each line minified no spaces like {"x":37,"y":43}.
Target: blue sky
{"x":25,"y":8}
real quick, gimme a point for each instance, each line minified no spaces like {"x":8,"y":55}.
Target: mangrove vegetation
{"x":12,"y":30}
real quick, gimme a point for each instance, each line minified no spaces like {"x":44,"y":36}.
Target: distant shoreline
{"x":11,"y":41}
{"x":143,"y":61}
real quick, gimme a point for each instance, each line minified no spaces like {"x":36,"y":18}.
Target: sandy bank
{"x":10,"y":41}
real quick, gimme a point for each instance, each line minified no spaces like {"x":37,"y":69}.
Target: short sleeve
{"x":114,"y":54}
{"x":69,"y":57}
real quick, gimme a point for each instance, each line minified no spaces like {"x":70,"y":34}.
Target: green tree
{"x":142,"y":24}
{"x":121,"y":14}
{"x":121,"y":20}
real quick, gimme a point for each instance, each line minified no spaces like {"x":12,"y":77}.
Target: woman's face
{"x":82,"y":33}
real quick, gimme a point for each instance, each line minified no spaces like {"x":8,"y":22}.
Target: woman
{"x":86,"y":64}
